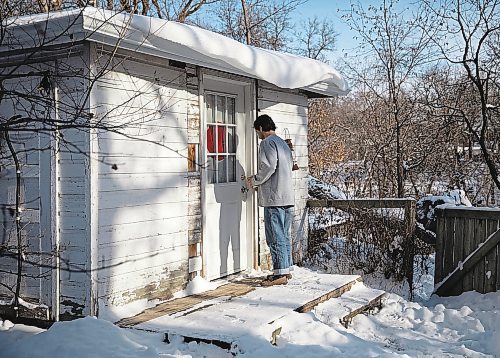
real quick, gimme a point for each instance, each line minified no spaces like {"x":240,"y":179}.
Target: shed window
{"x":221,"y":138}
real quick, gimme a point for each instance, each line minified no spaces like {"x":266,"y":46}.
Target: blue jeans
{"x":277,"y":221}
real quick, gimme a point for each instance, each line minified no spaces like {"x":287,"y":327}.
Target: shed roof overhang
{"x":181,"y":42}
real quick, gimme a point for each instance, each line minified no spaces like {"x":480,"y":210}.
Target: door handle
{"x":244,"y":187}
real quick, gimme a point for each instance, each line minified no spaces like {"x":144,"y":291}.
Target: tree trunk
{"x":248,"y":35}
{"x":18,"y":219}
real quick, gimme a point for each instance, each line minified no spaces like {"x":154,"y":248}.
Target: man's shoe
{"x":288,"y":276}
{"x":275,"y":280}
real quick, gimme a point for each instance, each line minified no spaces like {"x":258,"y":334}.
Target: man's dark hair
{"x":264,"y":123}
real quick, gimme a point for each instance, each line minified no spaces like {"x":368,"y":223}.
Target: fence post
{"x":410,"y":220}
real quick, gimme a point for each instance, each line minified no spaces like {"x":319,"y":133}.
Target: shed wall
{"x":71,"y":190}
{"x":27,"y":149}
{"x":50,"y":194}
{"x":289,"y":109}
{"x":142,"y":184}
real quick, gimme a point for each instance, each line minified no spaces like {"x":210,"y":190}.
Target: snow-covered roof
{"x":189,"y":44}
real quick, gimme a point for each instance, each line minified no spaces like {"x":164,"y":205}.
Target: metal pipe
{"x":55,"y":211}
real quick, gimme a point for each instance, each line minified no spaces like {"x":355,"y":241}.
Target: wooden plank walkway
{"x":241,"y":319}
{"x":184,"y":304}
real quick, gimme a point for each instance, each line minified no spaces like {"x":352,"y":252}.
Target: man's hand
{"x":250,"y":182}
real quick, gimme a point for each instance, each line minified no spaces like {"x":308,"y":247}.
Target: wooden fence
{"x":366,"y":210}
{"x":351,"y":204}
{"x":467,"y":251}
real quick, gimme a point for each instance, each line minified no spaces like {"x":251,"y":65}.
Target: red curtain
{"x":221,"y":137}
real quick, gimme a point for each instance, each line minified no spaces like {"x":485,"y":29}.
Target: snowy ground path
{"x":464,"y":326}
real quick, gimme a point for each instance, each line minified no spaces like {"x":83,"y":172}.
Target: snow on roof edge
{"x":203,"y":47}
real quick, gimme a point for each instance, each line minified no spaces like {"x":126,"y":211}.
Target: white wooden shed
{"x":136,"y":210}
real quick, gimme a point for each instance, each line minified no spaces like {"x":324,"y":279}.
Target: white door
{"x":224,"y":241}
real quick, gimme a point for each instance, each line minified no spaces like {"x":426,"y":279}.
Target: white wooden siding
{"x":142,"y":186}
{"x":72,"y":190}
{"x":289,"y":109}
{"x":34,"y":181}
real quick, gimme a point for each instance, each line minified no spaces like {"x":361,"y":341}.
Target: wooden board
{"x":478,"y":272}
{"x":468,"y":239}
{"x":438,"y":273}
{"x":491,"y":260}
{"x":230,"y":290}
{"x":448,"y":246}
{"x":259,"y":315}
{"x":237,"y":316}
{"x":357,"y":300}
{"x":458,"y":251}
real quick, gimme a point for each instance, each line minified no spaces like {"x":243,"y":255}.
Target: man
{"x":275,"y":193}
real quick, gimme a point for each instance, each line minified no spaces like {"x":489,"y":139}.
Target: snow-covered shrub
{"x":363,"y":241}
{"x":426,"y":207}
{"x":321,"y":190}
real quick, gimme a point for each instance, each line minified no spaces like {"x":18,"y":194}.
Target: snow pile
{"x":320,"y":190}
{"x":198,"y":285}
{"x":192,"y":45}
{"x":427,"y":205}
{"x":463,"y":326}
{"x":460,"y":198}
{"x":85,"y":337}
{"x":442,"y":327}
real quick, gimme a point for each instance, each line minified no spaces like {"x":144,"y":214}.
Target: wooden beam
{"x":361,"y":203}
{"x":453,"y":279}
{"x":376,"y":302}
{"x":468,"y":212}
{"x":323,"y":298}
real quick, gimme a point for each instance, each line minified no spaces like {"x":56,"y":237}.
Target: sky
{"x":332,"y":9}
{"x":328,"y":9}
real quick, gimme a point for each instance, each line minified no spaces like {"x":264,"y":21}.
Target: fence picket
{"x":438,"y":264}
{"x":468,"y":238}
{"x":458,"y":250}
{"x":478,"y":272}
{"x":490,"y":269}
{"x":449,"y":238}
{"x":498,"y":268}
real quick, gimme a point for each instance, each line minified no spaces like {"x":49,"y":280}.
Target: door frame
{"x":251,"y":230}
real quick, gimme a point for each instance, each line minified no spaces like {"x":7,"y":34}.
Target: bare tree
{"x":261,"y":23}
{"x":316,"y":38}
{"x":393,"y":49}
{"x":469,"y":33}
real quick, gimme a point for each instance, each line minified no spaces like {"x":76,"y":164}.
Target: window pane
{"x":231,"y":139}
{"x":211,"y":170}
{"x":212,"y":138}
{"x":221,"y":139}
{"x":231,"y":168}
{"x":222,"y":170}
{"x":230,"y":110}
{"x":221,"y":109}
{"x":210,"y":103}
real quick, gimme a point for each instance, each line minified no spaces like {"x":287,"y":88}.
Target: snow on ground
{"x":463,"y":326}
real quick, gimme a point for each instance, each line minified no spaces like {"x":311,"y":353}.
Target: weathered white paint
{"x":142,"y":187}
{"x":35,"y":195}
{"x":72,"y":186}
{"x":195,"y":264}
